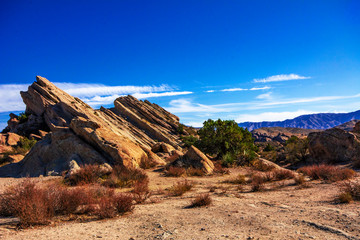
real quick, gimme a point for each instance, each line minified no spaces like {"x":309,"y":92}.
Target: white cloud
{"x":163,"y":94}
{"x":265,"y":96}
{"x":93,"y":94}
{"x":89,"y":90}
{"x":210,"y":91}
{"x":184,"y":106}
{"x":259,"y":88}
{"x":194,"y":124}
{"x":280,"y":78}
{"x":10,"y":99}
{"x":270,"y":116}
{"x":234,"y":89}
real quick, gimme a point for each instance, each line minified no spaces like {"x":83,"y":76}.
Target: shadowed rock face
{"x":122,"y":135}
{"x":335,"y":145}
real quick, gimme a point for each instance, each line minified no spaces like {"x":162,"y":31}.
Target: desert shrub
{"x":189,"y":140}
{"x":345,"y":197}
{"x":257,"y":183}
{"x":239,"y":179}
{"x":35,"y":205}
{"x":327,"y":172}
{"x":124,"y":177}
{"x":300,"y":180}
{"x":179,"y":188}
{"x":86,"y":175}
{"x":174,"y":171}
{"x":282,"y":174}
{"x":296,"y":149}
{"x":219,"y":169}
{"x":29,"y":203}
{"x":23,"y":117}
{"x":350,"y":189}
{"x":201,"y":201}
{"x":228,"y":160}
{"x":113,"y":205}
{"x":141,"y":191}
{"x":221,"y":137}
{"x":269,"y":148}
{"x":195,"y":172}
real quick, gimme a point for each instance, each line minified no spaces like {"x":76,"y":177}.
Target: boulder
{"x":334,"y":146}
{"x":162,"y":147}
{"x":175,"y":154}
{"x":196,"y":159}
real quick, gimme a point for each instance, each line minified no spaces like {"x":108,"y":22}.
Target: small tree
{"x":296,"y":149}
{"x":225,"y":137}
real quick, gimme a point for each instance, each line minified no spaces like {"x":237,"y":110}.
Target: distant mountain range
{"x":310,"y":121}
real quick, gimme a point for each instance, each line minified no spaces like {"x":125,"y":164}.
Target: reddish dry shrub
{"x":195,"y":172}
{"x":257,"y":182}
{"x":350,"y":189}
{"x":86,"y":175}
{"x":28,"y":202}
{"x":141,"y":191}
{"x":219,"y":169}
{"x":114,"y":204}
{"x":282,"y":174}
{"x":179,"y":188}
{"x":327,"y":172}
{"x":201,"y":201}
{"x":239,"y":179}
{"x":174,"y":171}
{"x":124,"y":177}
{"x":300,"y":180}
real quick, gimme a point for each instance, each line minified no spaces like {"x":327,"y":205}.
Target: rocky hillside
{"x":311,"y":121}
{"x":69,"y":129}
{"x":279,"y":134}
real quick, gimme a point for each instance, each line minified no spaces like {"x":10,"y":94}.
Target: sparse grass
{"x":194,"y":172}
{"x":349,"y":191}
{"x":282,"y":174}
{"x":219,"y":169}
{"x":260,"y":166}
{"x":174,"y":171}
{"x":179,"y":188}
{"x":86,"y":175}
{"x":257,"y":183}
{"x":141,"y":191}
{"x":327,"y":172}
{"x":36,"y":204}
{"x":201,"y":201}
{"x":123,"y":177}
{"x":300,"y":180}
{"x":239,"y":179}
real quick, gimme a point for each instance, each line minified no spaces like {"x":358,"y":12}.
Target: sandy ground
{"x":288,"y":212}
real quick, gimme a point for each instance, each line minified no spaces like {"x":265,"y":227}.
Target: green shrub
{"x":189,"y":140}
{"x":23,"y":117}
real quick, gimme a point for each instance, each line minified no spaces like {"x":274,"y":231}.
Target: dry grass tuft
{"x":349,"y":191}
{"x":327,"y":172}
{"x":179,"y":188}
{"x":194,"y":172}
{"x":174,"y":171}
{"x":239,"y":179}
{"x":201,"y":201}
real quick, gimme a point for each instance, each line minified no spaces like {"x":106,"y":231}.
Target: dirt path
{"x":286,"y":213}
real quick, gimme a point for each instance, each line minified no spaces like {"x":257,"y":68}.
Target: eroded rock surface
{"x":122,"y":135}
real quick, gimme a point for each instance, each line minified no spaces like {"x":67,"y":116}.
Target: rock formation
{"x":279,"y":134}
{"x":335,"y":145}
{"x":196,"y":159}
{"x":121,"y":135}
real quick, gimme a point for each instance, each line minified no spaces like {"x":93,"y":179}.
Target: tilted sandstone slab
{"x":121,"y":135}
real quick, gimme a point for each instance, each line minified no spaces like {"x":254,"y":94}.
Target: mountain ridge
{"x":309,"y":121}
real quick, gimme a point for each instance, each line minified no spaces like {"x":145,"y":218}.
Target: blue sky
{"x":241,"y":60}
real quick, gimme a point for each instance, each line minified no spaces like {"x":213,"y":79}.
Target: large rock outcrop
{"x":122,"y":135}
{"x":334,"y":146}
{"x":196,"y":159}
{"x":279,"y":134}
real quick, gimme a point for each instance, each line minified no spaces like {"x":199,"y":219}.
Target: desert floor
{"x":286,"y":212}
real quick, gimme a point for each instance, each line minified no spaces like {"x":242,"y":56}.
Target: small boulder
{"x":175,"y":154}
{"x":162,"y":147}
{"x":196,"y":159}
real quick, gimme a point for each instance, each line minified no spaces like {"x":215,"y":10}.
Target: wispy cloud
{"x":210,"y":91}
{"x":267,"y":96}
{"x":280,"y":78}
{"x":163,"y":94}
{"x":93,"y":94}
{"x":244,"y":89}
